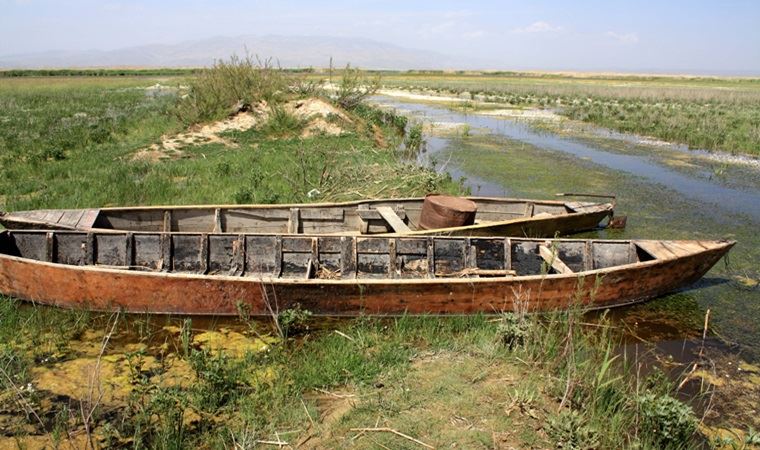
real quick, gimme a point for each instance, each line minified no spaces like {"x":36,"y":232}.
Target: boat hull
{"x":101,"y":289}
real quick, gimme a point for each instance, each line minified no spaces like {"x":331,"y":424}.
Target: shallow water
{"x":697,"y":188}
{"x":504,"y":156}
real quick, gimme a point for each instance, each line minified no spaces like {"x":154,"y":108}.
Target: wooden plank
{"x":238,"y":256}
{"x":394,"y":221}
{"x":315,"y":254}
{"x":553,"y":260}
{"x":393,"y":270}
{"x":364,"y":222}
{"x":507,"y":254}
{"x":50,"y":246}
{"x":70,"y":218}
{"x":529,"y":208}
{"x":204,"y":253}
{"x":90,"y":249}
{"x":347,"y":257}
{"x":294,"y":220}
{"x":167,"y":225}
{"x":277,"y":256}
{"x":658,"y":249}
{"x":166,"y":252}
{"x":431,"y":257}
{"x":88,"y":219}
{"x":218,"y":228}
{"x":374,"y":214}
{"x":588,"y":256}
{"x":129,"y":254}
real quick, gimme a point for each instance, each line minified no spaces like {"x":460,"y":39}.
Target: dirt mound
{"x":321,"y":117}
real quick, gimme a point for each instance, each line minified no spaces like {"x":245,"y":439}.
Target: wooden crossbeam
{"x":553,"y":260}
{"x":395,"y":222}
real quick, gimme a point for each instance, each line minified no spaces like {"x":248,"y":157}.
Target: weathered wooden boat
{"x":494,"y":217}
{"x":216,"y":274}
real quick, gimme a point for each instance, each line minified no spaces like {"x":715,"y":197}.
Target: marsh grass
{"x":703,"y":113}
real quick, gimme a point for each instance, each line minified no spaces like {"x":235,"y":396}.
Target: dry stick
{"x":306,"y":410}
{"x":95,"y":376}
{"x":339,"y":333}
{"x":701,"y":351}
{"x":396,"y":432}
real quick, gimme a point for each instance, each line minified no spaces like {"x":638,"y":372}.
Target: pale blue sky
{"x":674,"y":36}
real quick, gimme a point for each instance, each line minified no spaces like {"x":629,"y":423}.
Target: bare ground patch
{"x":321,"y":118}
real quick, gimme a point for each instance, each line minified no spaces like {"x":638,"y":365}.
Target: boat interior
{"x":333,"y":257}
{"x":368,"y":217}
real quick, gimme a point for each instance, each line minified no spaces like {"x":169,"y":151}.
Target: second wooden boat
{"x":218,"y":274}
{"x":494,"y":217}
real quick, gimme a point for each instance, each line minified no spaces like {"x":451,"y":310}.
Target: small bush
{"x":294,"y":320}
{"x":513,"y":330}
{"x":239,"y":81}
{"x":569,"y":430}
{"x":414,"y":139}
{"x":282,"y":123}
{"x":355,"y":87}
{"x":665,"y":421}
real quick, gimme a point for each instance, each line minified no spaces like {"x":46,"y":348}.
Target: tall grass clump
{"x":603,"y":403}
{"x":230,"y":85}
{"x":355,"y":87}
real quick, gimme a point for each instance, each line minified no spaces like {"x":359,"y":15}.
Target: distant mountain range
{"x":289,"y":51}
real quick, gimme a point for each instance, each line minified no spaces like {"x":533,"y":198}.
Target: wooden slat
{"x":129,"y":253}
{"x":553,"y":260}
{"x":394,"y":221}
{"x":167,"y":225}
{"x":89,"y":251}
{"x":166,"y":252}
{"x":364,"y":222}
{"x":88,"y":219}
{"x":52,"y":216}
{"x":347,"y":257}
{"x":71,"y":217}
{"x":218,"y":228}
{"x":374,"y":214}
{"x":204,"y":253}
{"x":392,"y":259}
{"x":529,"y":208}
{"x":660,"y":250}
{"x":50,"y":246}
{"x":507,"y":254}
{"x":431,"y":257}
{"x":277,"y":256}
{"x":294,"y":220}
{"x":315,"y":254}
{"x":588,"y":256}
{"x":238,"y":256}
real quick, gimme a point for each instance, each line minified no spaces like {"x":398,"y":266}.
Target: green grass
{"x":703,"y":113}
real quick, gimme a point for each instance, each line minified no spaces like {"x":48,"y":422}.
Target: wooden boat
{"x":494,"y":217}
{"x":216,"y":274}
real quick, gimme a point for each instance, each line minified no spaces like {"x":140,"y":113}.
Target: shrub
{"x":569,"y":430}
{"x":513,"y":330}
{"x":665,"y":421}
{"x":239,"y":81}
{"x":355,"y":87}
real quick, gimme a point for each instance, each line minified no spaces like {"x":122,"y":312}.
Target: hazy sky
{"x":717,"y":36}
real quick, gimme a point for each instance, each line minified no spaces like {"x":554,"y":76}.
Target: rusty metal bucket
{"x":443,"y":211}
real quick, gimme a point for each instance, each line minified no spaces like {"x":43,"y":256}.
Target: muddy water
{"x":666,"y":192}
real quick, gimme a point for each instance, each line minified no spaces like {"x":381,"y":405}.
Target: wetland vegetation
{"x":70,"y":379}
{"x":702,"y":112}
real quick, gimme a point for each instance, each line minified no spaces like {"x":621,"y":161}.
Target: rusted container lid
{"x":444,"y":211}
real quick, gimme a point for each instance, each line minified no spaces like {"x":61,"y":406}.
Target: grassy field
{"x":70,"y":379}
{"x":703,"y":113}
